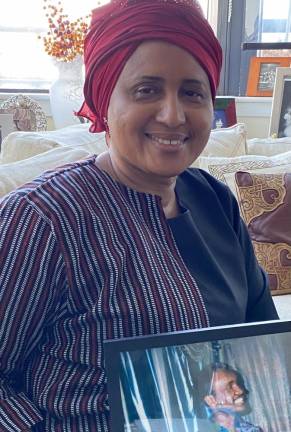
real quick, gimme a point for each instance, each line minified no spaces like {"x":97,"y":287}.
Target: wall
{"x":255,"y":112}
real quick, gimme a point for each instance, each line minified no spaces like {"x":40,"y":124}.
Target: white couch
{"x":25,"y":155}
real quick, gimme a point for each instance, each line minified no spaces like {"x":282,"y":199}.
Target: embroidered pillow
{"x":265,"y":204}
{"x":221,"y":167}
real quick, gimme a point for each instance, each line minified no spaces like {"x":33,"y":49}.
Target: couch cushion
{"x":268,"y":146}
{"x":21,"y":145}
{"x":265,"y":205}
{"x":18,"y":173}
{"x":224,"y":142}
{"x":221,"y":167}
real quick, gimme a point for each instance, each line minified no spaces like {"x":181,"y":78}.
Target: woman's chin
{"x":169,"y":172}
{"x":168,"y":167}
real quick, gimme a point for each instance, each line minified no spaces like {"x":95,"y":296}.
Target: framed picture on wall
{"x":262,"y":72}
{"x":224,"y":112}
{"x":280,"y":124}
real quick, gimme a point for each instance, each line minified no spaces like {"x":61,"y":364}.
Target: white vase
{"x":66,"y":92}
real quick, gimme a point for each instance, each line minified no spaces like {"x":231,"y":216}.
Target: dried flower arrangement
{"x":65,"y":38}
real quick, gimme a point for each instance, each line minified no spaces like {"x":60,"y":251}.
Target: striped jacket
{"x":82,"y":259}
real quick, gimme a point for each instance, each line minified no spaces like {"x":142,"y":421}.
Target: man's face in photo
{"x":227,"y":392}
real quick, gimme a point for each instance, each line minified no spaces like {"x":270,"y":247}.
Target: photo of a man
{"x":223,"y":393}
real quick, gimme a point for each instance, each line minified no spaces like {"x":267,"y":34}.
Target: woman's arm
{"x":30,"y":265}
{"x":260,"y":305}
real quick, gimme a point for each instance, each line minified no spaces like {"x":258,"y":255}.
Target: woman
{"x":129,"y":243}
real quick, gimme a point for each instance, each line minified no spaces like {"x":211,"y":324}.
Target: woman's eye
{"x":146,"y":91}
{"x":194,"y":94}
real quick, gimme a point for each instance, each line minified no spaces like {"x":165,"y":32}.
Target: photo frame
{"x":27,"y":113}
{"x":224,"y":112}
{"x":166,"y":382}
{"x":280,"y":123}
{"x":262,"y":72}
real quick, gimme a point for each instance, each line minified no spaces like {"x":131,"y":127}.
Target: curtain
{"x":157,"y":386}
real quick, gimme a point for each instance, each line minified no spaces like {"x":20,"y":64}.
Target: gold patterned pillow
{"x":222,"y":167}
{"x":265,"y":205}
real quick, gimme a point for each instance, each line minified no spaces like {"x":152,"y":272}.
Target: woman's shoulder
{"x":203,"y":181}
{"x":197,"y":186}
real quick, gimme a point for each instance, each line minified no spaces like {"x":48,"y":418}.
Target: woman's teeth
{"x":166,"y":141}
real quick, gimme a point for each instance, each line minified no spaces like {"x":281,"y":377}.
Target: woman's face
{"x":160,"y":112}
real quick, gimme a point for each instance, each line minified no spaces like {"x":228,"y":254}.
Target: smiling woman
{"x":129,"y":243}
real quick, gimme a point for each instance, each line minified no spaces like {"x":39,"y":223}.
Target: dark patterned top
{"x":84,"y":259}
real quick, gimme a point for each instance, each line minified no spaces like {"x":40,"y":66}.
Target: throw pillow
{"x":224,"y":142}
{"x":220,"y":168}
{"x":22,"y":145}
{"x":268,"y":146}
{"x":18,"y":173}
{"x":265,"y":204}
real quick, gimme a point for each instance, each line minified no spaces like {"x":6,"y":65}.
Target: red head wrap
{"x":120,"y":26}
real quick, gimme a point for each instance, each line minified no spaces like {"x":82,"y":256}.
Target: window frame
{"x":237,"y":52}
{"x":230,"y":35}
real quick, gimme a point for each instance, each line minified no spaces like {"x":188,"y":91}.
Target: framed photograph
{"x":202,"y":380}
{"x":27,"y":113}
{"x":280,"y":124}
{"x":7,"y":125}
{"x":262,"y":72}
{"x":224,"y":112}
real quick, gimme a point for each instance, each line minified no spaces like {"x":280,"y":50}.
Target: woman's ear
{"x":107,"y":132}
{"x":107,"y":138}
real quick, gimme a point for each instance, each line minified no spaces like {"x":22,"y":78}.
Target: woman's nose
{"x":171,"y":112}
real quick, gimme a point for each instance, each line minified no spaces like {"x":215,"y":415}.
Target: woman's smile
{"x":175,"y":140}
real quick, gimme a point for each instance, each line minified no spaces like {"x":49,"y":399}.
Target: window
{"x":24,"y":64}
{"x":252,"y":28}
{"x":272,"y":20}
